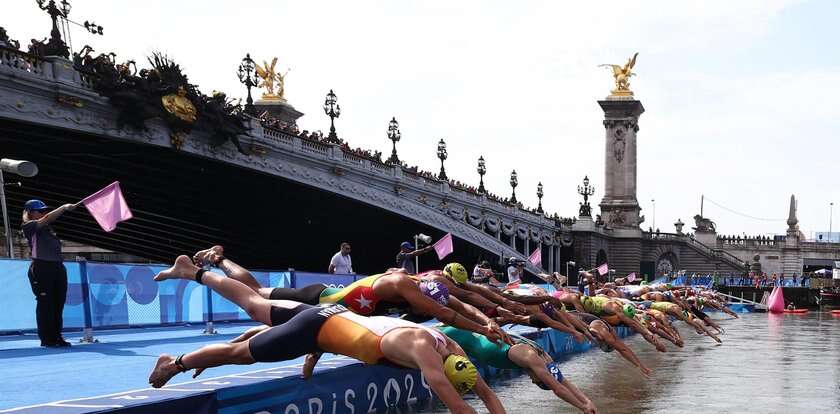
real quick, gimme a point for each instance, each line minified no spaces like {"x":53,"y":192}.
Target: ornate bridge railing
{"x":476,"y":218}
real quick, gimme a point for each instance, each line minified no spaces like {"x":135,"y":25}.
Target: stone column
{"x":550,"y":258}
{"x":620,"y":207}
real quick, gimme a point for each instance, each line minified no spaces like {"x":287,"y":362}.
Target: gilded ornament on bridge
{"x":178,"y":105}
{"x":273,"y":82}
{"x":622,"y":76}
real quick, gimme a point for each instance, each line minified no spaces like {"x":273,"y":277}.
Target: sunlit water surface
{"x":767,"y":364}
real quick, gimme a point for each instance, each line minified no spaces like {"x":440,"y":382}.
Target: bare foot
{"x":182,"y":269}
{"x":164,"y":370}
{"x":208,"y":256}
{"x":309,"y":364}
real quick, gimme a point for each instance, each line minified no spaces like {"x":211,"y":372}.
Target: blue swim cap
{"x":555,"y":372}
{"x":436,"y":291}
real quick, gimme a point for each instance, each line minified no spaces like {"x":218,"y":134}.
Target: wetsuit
{"x":486,"y":352}
{"x":358,"y":297}
{"x":697,"y":312}
{"x":307,"y":329}
{"x":664,"y":307}
{"x":294,"y":332}
{"x":594,"y":304}
{"x":359,"y":336}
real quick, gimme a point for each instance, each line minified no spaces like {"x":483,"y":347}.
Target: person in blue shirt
{"x":47,"y":275}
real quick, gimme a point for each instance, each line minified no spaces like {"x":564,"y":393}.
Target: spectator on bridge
{"x":794,"y":279}
{"x":515,"y":270}
{"x":405,"y":258}
{"x":341,"y":263}
{"x":47,"y":275}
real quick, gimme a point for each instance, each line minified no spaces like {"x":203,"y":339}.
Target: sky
{"x":740,"y":97}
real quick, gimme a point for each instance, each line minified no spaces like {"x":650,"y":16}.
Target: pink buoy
{"x":776,"y":303}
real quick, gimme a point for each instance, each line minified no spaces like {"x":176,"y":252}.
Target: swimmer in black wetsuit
{"x":307,"y":329}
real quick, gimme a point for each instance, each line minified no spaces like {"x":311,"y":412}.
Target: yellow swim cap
{"x":460,"y":372}
{"x":457,"y":272}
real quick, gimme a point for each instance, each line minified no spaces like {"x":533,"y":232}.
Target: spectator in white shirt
{"x":515,"y":270}
{"x":341,"y":262}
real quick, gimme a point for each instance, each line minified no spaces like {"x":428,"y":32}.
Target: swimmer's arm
{"x":497,"y":298}
{"x":428,"y":360}
{"x":423,"y":305}
{"x":471,"y":297}
{"x":493,"y":330}
{"x":250,"y":333}
{"x":531,"y":299}
{"x":490,"y":399}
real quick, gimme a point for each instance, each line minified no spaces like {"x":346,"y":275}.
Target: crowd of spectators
{"x":376,"y":156}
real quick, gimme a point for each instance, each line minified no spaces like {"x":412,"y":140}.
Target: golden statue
{"x":622,"y":76}
{"x":268,"y":76}
{"x":177,"y":104}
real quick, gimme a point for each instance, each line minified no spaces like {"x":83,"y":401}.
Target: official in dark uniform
{"x":47,"y":274}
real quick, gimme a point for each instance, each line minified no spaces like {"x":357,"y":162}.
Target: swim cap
{"x":436,"y":291}
{"x":605,"y":346}
{"x":629,"y":310}
{"x":700,"y":302}
{"x":460,"y":372}
{"x":668,"y":286}
{"x":643,"y":283}
{"x":548,"y":309}
{"x":555,"y":372}
{"x":457,"y":272}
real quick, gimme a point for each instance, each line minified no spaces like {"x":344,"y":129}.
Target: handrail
{"x":20,"y":60}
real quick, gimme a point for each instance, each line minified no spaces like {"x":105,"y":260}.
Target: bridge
{"x":279,"y":200}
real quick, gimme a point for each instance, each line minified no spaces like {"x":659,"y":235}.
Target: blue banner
{"x":303,"y":279}
{"x":121,"y":295}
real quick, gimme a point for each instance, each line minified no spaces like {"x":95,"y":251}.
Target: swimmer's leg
{"x":209,"y":356}
{"x":216,"y":256}
{"x":257,"y":308}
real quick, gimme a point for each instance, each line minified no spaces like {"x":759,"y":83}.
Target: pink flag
{"x":108,"y":206}
{"x":631,"y":277}
{"x":536,"y":257}
{"x":603,"y":269}
{"x":443,"y":246}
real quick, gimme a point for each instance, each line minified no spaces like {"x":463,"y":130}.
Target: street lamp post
{"x":333,"y":110}
{"x":585,"y":191}
{"x":56,"y":46}
{"x":248,"y":77}
{"x":482,"y":169}
{"x":568,"y":277}
{"x":514,"y":181}
{"x":654,"y":212}
{"x":830,"y":219}
{"x":540,"y":196}
{"x":24,"y":169}
{"x":394,"y":135}
{"x":442,"y":155}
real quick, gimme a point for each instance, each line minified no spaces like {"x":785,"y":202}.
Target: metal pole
{"x":6,"y":227}
{"x":830,"y":217}
{"x":88,"y":328}
{"x":416,"y":258}
{"x":701,"y":205}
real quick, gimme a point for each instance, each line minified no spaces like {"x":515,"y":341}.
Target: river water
{"x":766,"y":364}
